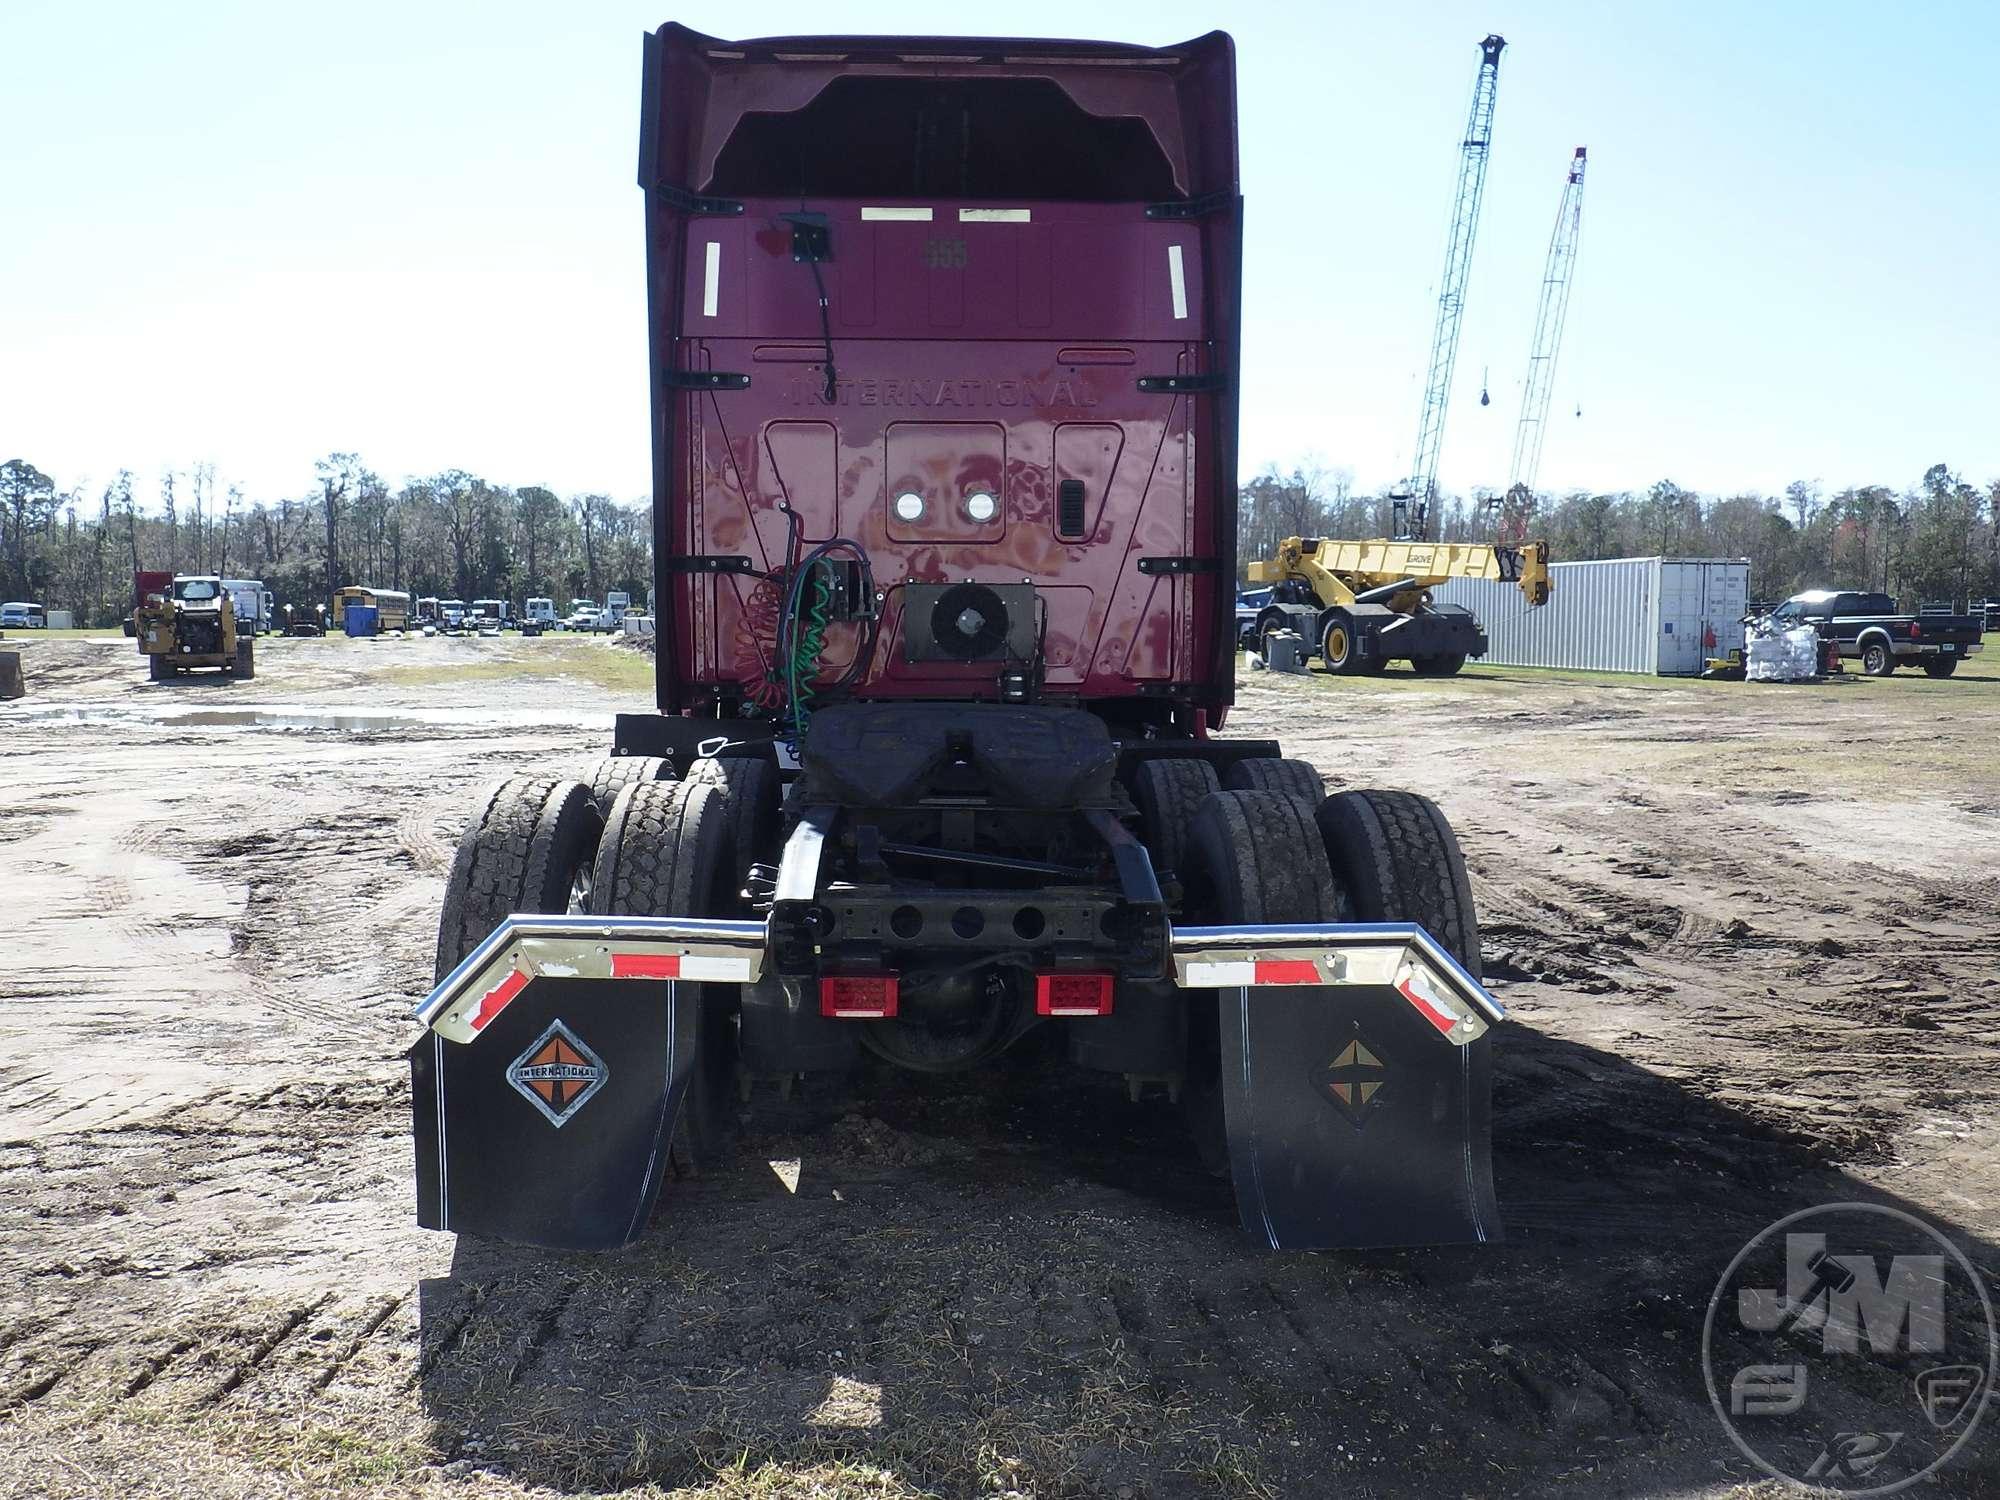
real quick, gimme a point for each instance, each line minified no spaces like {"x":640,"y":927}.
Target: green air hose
{"x":805,"y":659}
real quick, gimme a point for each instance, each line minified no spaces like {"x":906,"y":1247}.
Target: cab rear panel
{"x":1027,"y":297}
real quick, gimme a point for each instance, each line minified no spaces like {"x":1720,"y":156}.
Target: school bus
{"x":392,"y":608}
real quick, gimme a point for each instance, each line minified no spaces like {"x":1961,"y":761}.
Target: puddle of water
{"x":303,"y":718}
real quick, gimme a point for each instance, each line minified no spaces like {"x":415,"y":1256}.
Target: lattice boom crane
{"x":1451,"y":293}
{"x":1549,"y":315}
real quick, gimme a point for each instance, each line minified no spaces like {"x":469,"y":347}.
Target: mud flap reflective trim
{"x":528,"y":946}
{"x":551,"y":1126}
{"x":1357,"y":1107}
{"x":1399,"y":955}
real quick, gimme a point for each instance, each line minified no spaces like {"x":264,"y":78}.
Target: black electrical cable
{"x":825,"y":331}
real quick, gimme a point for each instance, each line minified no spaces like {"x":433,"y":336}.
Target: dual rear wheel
{"x":1270,"y":847}
{"x":632,"y":842}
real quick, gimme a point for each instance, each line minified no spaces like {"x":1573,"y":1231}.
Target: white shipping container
{"x":1662,"y":616}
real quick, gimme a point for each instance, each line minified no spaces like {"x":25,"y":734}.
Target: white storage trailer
{"x":1661,"y":616}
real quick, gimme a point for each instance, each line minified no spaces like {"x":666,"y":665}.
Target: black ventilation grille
{"x":1069,"y":508}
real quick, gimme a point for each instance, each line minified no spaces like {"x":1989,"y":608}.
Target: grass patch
{"x":609,"y":667}
{"x":12,"y":638}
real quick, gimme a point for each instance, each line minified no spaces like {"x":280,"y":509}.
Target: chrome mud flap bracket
{"x":1356,"y":1083}
{"x":546,"y":1084}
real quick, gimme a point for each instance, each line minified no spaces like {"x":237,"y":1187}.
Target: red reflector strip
{"x":645,"y":966}
{"x":1426,"y":1005}
{"x":1073,"y":994}
{"x":858,"y":996}
{"x":1287,"y":971}
{"x":497,"y":999}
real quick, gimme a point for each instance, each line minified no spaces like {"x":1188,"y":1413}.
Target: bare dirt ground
{"x":1750,"y":937}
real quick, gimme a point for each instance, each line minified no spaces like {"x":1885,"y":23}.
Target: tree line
{"x":457,"y":535}
{"x":1935,"y":542}
{"x":452,"y":534}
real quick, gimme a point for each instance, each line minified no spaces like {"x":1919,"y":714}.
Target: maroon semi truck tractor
{"x":944,"y":340}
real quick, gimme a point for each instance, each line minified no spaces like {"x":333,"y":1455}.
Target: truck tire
{"x":246,"y":659}
{"x":529,"y":849}
{"x":1877,"y":660}
{"x":1168,"y":791}
{"x":614,"y":773}
{"x":1444,"y":664}
{"x":665,"y":853}
{"x":1340,"y":646}
{"x":1256,"y":857}
{"x":1394,"y":859}
{"x":1290,"y":778}
{"x":750,"y":795}
{"x":1943,"y":667}
{"x":1252,"y":857}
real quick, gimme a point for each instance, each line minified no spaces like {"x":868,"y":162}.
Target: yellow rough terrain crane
{"x":1366,"y":604}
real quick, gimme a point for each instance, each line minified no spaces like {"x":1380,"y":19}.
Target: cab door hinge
{"x":695,"y":203}
{"x":706,"y":380}
{"x":1159,"y":565}
{"x":711,"y":563}
{"x":1192,"y":208}
{"x":1184,"y":385}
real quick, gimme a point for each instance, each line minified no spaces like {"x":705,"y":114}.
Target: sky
{"x":253,"y":233}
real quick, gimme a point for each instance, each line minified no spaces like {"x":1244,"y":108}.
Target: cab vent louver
{"x":1069,"y":508}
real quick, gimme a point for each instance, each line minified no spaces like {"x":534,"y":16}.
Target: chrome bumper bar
{"x":1396,"y":955}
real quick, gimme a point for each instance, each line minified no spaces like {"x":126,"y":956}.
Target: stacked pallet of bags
{"x":1794,"y":655}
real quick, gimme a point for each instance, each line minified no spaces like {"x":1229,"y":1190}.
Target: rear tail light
{"x":1073,"y":994}
{"x":1916,"y":631}
{"x":858,"y":996}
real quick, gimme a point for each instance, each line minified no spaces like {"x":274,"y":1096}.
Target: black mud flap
{"x":551,"y":1126}
{"x":1352,"y":1122}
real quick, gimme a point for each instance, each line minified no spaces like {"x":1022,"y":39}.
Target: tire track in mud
{"x":1109,"y":1332}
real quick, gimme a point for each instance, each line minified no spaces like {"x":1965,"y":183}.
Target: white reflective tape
{"x":711,"y":280}
{"x":995,"y":216}
{"x":901,"y":215}
{"x":715,"y":969}
{"x":1203,"y":975}
{"x":1179,"y":277}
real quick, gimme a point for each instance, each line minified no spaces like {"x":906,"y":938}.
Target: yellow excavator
{"x":1366,"y":604}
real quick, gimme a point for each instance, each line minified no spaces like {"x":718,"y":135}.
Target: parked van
{"x":22,"y":616}
{"x":252,"y":604}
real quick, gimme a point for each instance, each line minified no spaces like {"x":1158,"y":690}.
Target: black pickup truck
{"x":1869,"y":629}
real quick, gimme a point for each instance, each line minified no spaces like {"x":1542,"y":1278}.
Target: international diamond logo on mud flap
{"x":558,"y":1074}
{"x":1850,"y":1349}
{"x":1353,"y":1080}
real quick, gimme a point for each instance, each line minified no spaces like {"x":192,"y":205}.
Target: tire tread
{"x":1401,"y":862}
{"x":518,"y":854}
{"x":1291,"y":778}
{"x":1168,"y":791}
